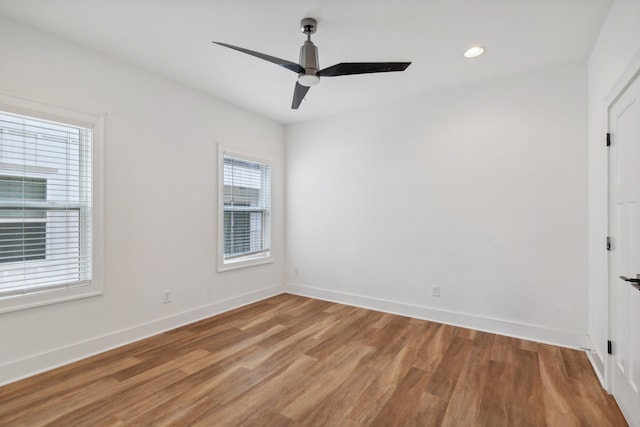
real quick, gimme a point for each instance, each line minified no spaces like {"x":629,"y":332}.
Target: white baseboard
{"x":502,"y":327}
{"x":597,"y":363}
{"x":32,"y":365}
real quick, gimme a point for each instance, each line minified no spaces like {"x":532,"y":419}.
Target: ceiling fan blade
{"x":278,"y":61}
{"x":298,"y":95}
{"x":347,"y":68}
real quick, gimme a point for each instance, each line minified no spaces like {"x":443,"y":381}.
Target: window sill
{"x":11,"y":303}
{"x":244,"y":263}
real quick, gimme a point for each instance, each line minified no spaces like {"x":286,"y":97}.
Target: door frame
{"x":622,"y":84}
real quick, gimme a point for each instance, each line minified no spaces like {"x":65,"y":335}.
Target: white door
{"x":624,"y":227}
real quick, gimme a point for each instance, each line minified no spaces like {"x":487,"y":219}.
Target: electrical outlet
{"x":296,"y":272}
{"x":166,"y":296}
{"x":435,"y":291}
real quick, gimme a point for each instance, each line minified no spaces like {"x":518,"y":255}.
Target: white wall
{"x":160,"y":198}
{"x":481,"y":190}
{"x":617,"y":48}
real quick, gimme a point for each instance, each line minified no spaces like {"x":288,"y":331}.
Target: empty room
{"x":319,"y":213}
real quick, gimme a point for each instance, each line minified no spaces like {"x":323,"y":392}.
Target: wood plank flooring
{"x":294,"y":361}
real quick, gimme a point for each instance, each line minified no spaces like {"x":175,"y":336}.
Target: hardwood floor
{"x":294,"y":361}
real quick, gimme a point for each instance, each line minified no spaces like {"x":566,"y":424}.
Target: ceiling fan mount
{"x":308,"y":68}
{"x":308,"y":26}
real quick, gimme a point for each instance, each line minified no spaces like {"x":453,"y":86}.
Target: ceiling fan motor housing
{"x":309,"y":61}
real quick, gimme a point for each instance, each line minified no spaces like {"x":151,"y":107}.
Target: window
{"x":246,"y":204}
{"x":46,"y":207}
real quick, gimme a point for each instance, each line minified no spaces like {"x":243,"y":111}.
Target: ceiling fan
{"x":308,"y":69}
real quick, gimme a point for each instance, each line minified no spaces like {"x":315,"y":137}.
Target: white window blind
{"x":45,"y":205}
{"x":247,"y":203}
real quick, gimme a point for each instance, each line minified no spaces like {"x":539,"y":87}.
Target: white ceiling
{"x":173,"y":38}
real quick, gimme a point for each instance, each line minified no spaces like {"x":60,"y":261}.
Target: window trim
{"x":95,"y":286}
{"x":263,"y":257}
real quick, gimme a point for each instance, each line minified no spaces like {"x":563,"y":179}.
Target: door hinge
{"x":609,"y":347}
{"x":608,"y":139}
{"x":608,"y":243}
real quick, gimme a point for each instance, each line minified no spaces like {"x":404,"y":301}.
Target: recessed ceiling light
{"x":473,"y":51}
